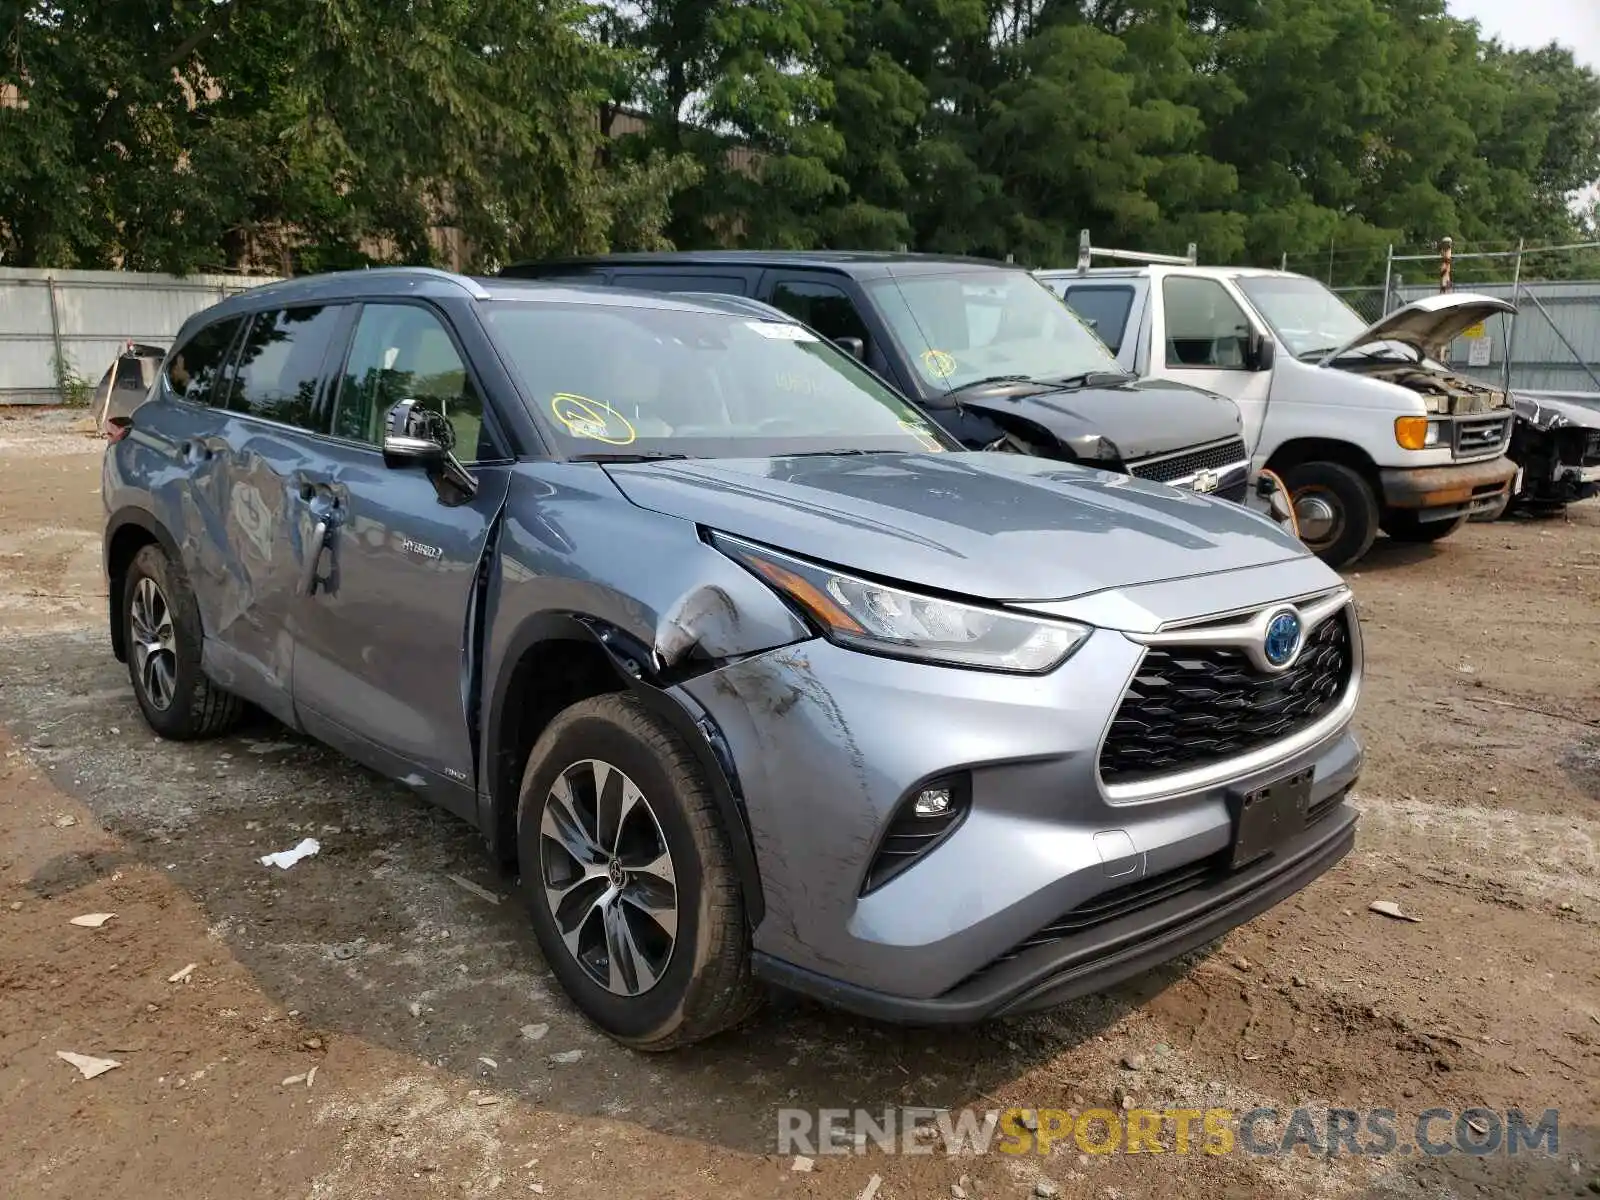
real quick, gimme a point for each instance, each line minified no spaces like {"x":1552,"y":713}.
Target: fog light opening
{"x":933,"y":802}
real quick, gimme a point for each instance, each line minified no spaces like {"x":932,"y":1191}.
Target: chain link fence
{"x":1552,"y":341}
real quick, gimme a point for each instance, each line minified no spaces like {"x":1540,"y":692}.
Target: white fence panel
{"x":84,"y":317}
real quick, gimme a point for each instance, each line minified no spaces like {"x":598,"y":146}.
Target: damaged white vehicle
{"x":1364,"y":423}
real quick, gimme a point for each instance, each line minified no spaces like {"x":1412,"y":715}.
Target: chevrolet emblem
{"x":1205,"y":482}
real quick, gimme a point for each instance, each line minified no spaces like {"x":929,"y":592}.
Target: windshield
{"x":1306,"y":316}
{"x":625,"y":381}
{"x":980,"y":324}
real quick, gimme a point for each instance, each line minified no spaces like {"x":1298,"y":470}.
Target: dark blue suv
{"x":746,"y":668}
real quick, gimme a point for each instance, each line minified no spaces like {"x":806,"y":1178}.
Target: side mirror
{"x":1258,"y":352}
{"x":419,"y":437}
{"x":852,"y":346}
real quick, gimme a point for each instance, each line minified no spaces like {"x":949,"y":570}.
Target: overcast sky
{"x":1573,"y":23}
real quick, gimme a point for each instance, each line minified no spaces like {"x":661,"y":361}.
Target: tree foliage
{"x":175,"y":134}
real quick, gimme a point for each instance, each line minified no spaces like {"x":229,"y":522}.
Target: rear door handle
{"x":308,"y":577}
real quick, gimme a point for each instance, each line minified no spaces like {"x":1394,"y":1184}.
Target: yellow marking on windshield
{"x":592,"y":419}
{"x":939,"y":363}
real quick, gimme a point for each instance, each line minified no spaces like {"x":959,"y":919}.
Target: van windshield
{"x":628,"y":381}
{"x":1308,"y":318}
{"x":969,"y":325}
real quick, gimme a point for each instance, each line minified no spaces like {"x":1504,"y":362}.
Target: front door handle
{"x":308,"y":579}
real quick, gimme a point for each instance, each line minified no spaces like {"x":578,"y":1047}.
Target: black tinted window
{"x":279,"y":364}
{"x":1105,"y":308}
{"x":822,"y":306}
{"x":660,"y":281}
{"x":197,"y":365}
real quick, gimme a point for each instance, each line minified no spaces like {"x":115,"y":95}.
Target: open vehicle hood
{"x":1428,"y":325}
{"x":1557,"y":410}
{"x":1137,"y":418}
{"x":986,"y":525}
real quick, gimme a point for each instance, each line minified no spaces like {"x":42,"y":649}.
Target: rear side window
{"x":196,"y":366}
{"x":280,"y":365}
{"x":1106,"y":310}
{"x":660,"y":281}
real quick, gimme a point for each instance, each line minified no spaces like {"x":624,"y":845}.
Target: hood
{"x":987,"y":525}
{"x":1427,"y":325}
{"x":1558,"y":410}
{"x":1138,"y":418}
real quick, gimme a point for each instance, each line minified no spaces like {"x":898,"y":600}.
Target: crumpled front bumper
{"x":828,"y":743}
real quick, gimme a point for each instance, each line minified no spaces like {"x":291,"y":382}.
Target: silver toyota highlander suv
{"x":744,"y":666}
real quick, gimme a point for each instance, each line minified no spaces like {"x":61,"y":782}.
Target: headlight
{"x":1418,"y":433}
{"x":886,"y":620}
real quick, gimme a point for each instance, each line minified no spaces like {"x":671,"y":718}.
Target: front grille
{"x":1480,"y":435}
{"x":1164,"y":468}
{"x":1194,"y":706}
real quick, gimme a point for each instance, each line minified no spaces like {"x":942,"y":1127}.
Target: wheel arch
{"x":128,"y":531}
{"x":557,"y":659}
{"x":1299,"y":451}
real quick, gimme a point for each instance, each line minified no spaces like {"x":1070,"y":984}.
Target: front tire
{"x":629,"y":878}
{"x":161,"y":630}
{"x":1403,"y":526}
{"x":1335,"y":509}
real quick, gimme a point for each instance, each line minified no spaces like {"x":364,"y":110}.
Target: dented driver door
{"x":386,"y":620}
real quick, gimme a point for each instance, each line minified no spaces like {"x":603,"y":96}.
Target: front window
{"x":1308,"y":318}
{"x":967,"y":326}
{"x":618,"y":380}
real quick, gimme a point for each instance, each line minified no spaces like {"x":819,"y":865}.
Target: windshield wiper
{"x":831,"y":453}
{"x":990,"y":381}
{"x":608,"y":456}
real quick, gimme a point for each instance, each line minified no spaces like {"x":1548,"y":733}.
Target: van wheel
{"x":1402,"y":525}
{"x":161,"y":628}
{"x":629,"y":879}
{"x":1335,"y":509}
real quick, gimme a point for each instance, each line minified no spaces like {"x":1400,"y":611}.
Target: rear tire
{"x":615,"y":822}
{"x":1335,"y":509}
{"x":1402,"y":525}
{"x":161,"y":628}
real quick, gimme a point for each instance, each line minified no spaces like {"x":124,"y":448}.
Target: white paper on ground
{"x":288,"y":858}
{"x":92,"y":920}
{"x":89,"y":1067}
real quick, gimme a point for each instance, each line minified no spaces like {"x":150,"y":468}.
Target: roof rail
{"x":1088,"y":252}
{"x":469,"y":285}
{"x":756,"y":308}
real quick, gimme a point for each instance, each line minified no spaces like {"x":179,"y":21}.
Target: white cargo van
{"x":1364,"y":423}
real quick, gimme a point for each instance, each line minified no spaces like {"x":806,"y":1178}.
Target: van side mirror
{"x":852,"y":346}
{"x":1258,"y":351}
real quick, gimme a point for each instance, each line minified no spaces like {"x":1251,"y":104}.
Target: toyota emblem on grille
{"x":1282,"y":642}
{"x":1205,"y":482}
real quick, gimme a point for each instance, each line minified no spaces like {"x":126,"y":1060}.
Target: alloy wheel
{"x":155,"y":647}
{"x":608,"y":877}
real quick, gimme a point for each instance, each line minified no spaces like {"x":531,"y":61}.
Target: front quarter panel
{"x":576,"y":559}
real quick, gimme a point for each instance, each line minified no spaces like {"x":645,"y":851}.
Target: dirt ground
{"x":447,"y":1062}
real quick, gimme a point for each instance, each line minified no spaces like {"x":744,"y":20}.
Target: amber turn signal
{"x":1411,"y":432}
